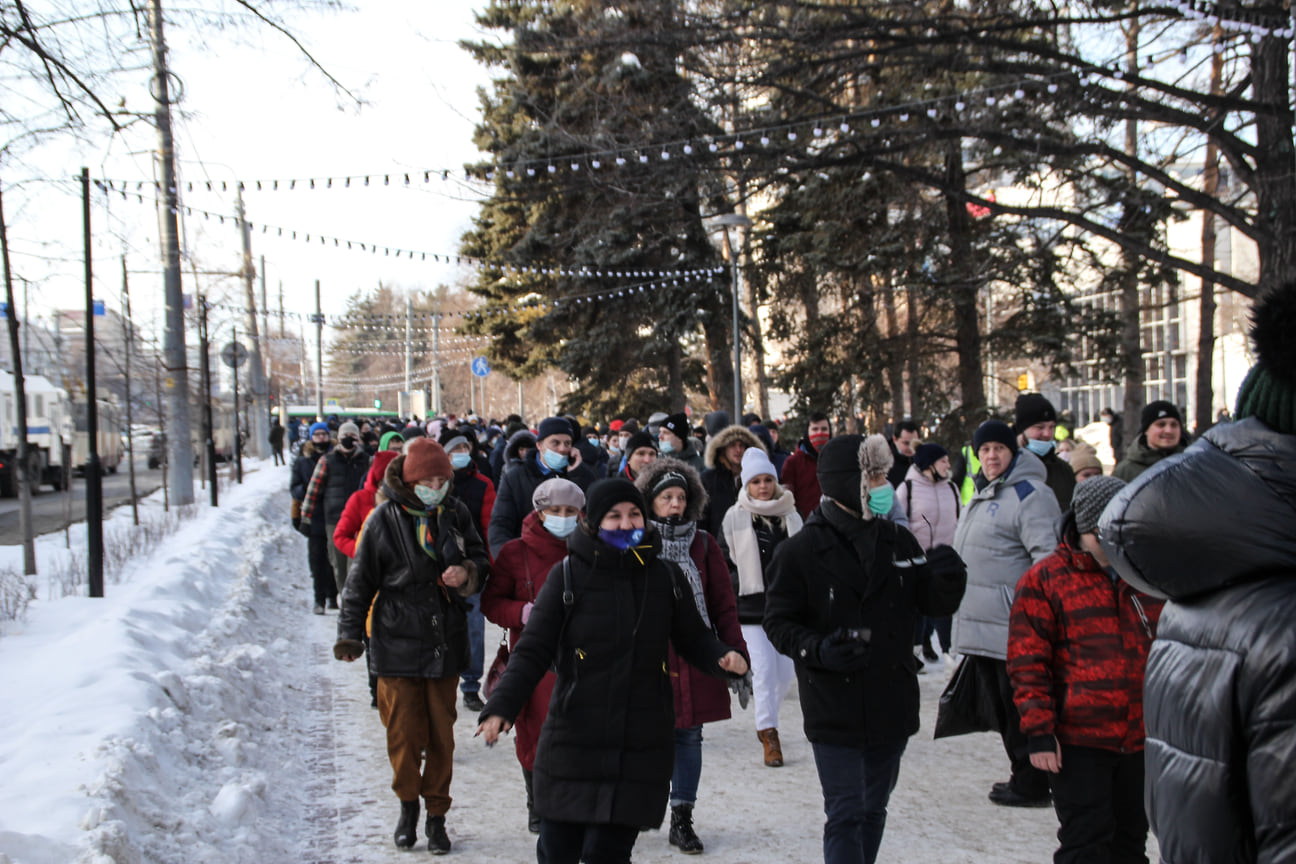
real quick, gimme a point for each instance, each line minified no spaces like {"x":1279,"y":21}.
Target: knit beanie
{"x":1155,"y":411}
{"x":557,"y":492}
{"x":1090,"y":499}
{"x":755,"y":463}
{"x":1269,"y":391}
{"x":454,"y":441}
{"x":1032,"y":408}
{"x":387,"y":438}
{"x":927,"y":455}
{"x":1084,"y":456}
{"x":348,"y":428}
{"x":639,"y":439}
{"x":318,"y":427}
{"x":994,"y":430}
{"x":425,"y":459}
{"x":553,"y":426}
{"x":411,"y":433}
{"x":677,"y":424}
{"x":717,"y":421}
{"x":603,"y":495}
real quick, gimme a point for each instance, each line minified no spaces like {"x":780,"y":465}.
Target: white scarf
{"x":741,"y":536}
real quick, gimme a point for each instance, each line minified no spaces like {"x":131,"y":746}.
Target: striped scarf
{"x":676,"y":542}
{"x":423,"y":529}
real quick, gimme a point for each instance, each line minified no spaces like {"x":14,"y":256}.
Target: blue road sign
{"x":480,"y":367}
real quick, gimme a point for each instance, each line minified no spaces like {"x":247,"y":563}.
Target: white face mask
{"x":560,"y":526}
{"x":429,"y":496}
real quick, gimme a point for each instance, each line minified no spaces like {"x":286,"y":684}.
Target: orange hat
{"x":425,"y":459}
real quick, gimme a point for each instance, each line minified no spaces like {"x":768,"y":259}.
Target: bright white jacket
{"x":933,"y":508}
{"x":1007,"y":526}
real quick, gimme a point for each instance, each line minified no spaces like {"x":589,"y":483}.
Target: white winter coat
{"x":1006,"y":527}
{"x":933,"y":508}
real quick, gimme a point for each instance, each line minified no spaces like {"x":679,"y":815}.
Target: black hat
{"x":603,"y":495}
{"x":927,"y":455}
{"x":1155,"y":411}
{"x":1032,"y":408}
{"x":637,"y":440}
{"x":554,"y":426}
{"x":839,"y":470}
{"x":994,"y":430}
{"x":677,"y":424}
{"x":1268,"y":392}
{"x":716,"y":421}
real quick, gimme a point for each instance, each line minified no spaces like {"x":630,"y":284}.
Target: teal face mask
{"x":555,"y":461}
{"x":1039,"y":448}
{"x":460,"y":460}
{"x":559,"y":526}
{"x":667,"y":447}
{"x":429,"y":496}
{"x":881,"y":499}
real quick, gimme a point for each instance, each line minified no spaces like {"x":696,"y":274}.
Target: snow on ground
{"x":196,"y":714}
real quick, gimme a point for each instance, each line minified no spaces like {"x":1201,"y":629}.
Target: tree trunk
{"x":964,"y":294}
{"x":719,"y":362}
{"x":894,"y":358}
{"x":917,"y":409}
{"x":1206,"y":332}
{"x":674,"y":377}
{"x":1275,"y":163}
{"x":1131,"y":349}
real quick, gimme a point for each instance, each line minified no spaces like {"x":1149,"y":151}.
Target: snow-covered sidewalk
{"x":196,"y":714}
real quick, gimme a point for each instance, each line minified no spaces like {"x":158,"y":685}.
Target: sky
{"x":253,"y":108}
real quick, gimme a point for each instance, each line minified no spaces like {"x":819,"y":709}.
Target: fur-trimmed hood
{"x":659,"y":468}
{"x":517,"y":442}
{"x":727,"y":436}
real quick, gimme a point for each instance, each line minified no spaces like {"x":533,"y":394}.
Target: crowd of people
{"x":647,"y":572}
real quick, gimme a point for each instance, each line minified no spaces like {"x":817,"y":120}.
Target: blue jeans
{"x":688,"y":766}
{"x":470,"y":680}
{"x":857,"y":784}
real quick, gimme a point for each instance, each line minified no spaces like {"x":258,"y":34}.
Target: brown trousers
{"x":419,"y":714}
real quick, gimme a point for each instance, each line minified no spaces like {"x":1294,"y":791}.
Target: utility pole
{"x":409,"y":343}
{"x":258,"y":404}
{"x":179,"y":445}
{"x":204,"y":364}
{"x":238,"y":446}
{"x":20,"y":394}
{"x":127,"y":335}
{"x":93,"y":478}
{"x":319,"y":355}
{"x":436,"y":359}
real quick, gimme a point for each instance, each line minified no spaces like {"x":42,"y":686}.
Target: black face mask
{"x":347,"y":443}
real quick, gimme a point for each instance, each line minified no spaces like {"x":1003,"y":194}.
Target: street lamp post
{"x":725,"y":222}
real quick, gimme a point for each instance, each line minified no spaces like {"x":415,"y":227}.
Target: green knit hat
{"x":1269,"y":391}
{"x":387,"y":438}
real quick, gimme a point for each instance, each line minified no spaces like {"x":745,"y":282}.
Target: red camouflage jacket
{"x":1077,"y":650}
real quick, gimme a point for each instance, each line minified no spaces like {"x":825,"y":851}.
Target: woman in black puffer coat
{"x":1214,"y":530}
{"x":603,"y":766}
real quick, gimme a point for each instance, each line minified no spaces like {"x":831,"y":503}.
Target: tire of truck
{"x":8,"y":484}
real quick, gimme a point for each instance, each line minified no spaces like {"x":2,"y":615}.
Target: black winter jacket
{"x":346,"y":474}
{"x":1214,"y":529}
{"x":420,"y":627}
{"x":302,"y":469}
{"x":606,"y":750}
{"x":513,"y":498}
{"x":818,"y":585}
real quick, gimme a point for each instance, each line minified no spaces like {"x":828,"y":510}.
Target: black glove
{"x":845,"y":650}
{"x":303,"y":527}
{"x":296,"y":523}
{"x":946,"y":565}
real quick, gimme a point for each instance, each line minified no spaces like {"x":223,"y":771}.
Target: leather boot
{"x":407,"y":827}
{"x":533,"y":819}
{"x":681,"y":830}
{"x":773,"y":750}
{"x":438,"y":841}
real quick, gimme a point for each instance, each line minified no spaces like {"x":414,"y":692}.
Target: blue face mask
{"x":460,"y":460}
{"x":621,"y":538}
{"x":593,"y":441}
{"x":555,"y":461}
{"x":1039,"y":448}
{"x":429,"y":496}
{"x":881,"y":499}
{"x":667,"y":447}
{"x":559,"y":526}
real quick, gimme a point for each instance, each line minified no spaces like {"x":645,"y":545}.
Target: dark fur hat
{"x":657,"y":475}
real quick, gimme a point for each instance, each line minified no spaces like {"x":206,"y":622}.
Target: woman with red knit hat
{"x":421,"y":554}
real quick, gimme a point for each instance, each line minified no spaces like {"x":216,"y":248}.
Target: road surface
{"x":51,"y":510}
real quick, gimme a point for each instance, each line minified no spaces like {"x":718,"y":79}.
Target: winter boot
{"x":681,"y":830}
{"x":533,"y":819}
{"x":438,"y":842}
{"x":407,"y":827}
{"x":773,"y":750}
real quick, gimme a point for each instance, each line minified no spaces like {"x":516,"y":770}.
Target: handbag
{"x":497,"y":666}
{"x":968,"y":704}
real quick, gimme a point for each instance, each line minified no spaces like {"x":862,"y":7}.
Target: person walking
{"x":764,"y":516}
{"x":843,"y":600}
{"x":604,"y":619}
{"x":321,"y":568}
{"x":1077,"y":647}
{"x":640,"y":451}
{"x":673,"y":493}
{"x":903,"y":440}
{"x":1161,"y":434}
{"x":341,"y":472}
{"x":800,"y":470}
{"x":553,"y":457}
{"x":1211,"y":530}
{"x":1035,"y":422}
{"x":518,"y":574}
{"x":676,"y":441}
{"x":723,"y":475}
{"x":276,"y":440}
{"x":1010,"y":524}
{"x":932,"y":505}
{"x":420,"y":555}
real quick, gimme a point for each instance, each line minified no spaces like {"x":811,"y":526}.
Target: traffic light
{"x":377,"y":404}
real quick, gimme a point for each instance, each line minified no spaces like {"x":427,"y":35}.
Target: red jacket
{"x":699,"y":697}
{"x":1077,"y":650}
{"x":360,"y":505}
{"x":801,"y":476}
{"x":516,"y":575}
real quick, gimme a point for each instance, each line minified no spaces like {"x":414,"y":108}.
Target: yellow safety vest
{"x":973,"y":466}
